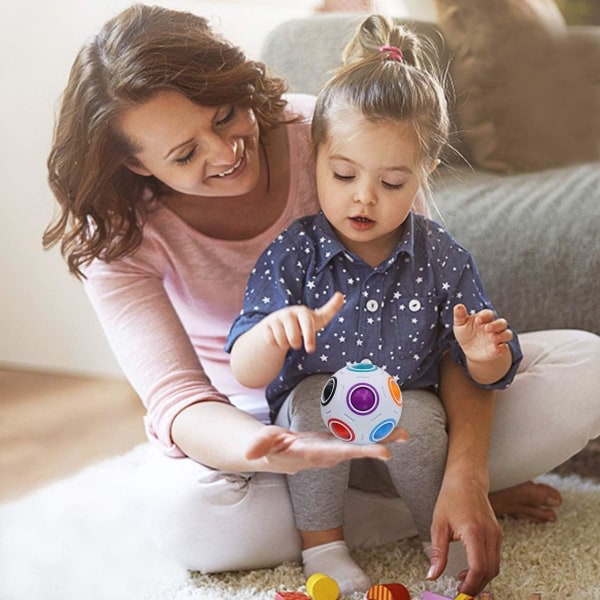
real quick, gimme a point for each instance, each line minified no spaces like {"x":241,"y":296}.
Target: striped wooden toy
{"x":388,"y":591}
{"x":291,"y":596}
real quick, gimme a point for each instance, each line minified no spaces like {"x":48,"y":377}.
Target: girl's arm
{"x":257,"y":355}
{"x":484,"y":340}
{"x":463,"y":511}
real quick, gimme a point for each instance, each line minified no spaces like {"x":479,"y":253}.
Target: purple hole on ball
{"x":362,"y":399}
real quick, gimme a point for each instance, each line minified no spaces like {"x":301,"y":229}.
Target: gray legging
{"x":414,"y":472}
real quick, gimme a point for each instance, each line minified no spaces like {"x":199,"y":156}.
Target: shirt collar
{"x":329,"y":246}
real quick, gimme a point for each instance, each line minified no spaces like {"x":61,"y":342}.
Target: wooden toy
{"x":486,"y":596}
{"x":322,"y":587}
{"x":388,"y":591}
{"x":291,"y":596}
{"x":464,"y":597}
{"x":433,"y":596}
{"x":361,"y":403}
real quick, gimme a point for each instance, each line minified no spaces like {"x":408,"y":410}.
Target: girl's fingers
{"x":485,"y":316}
{"x":326,"y":312}
{"x":460,"y":314}
{"x":293,"y":333}
{"x":308,"y":330}
{"x":497,"y":326}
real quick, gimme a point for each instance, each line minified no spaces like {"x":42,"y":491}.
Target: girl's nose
{"x":365,"y":195}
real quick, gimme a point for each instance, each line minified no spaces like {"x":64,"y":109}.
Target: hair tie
{"x":393,"y":52}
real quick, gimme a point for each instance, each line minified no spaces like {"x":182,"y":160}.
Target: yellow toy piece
{"x":464,"y":597}
{"x":322,"y":587}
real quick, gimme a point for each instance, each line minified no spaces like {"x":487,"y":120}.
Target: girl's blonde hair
{"x":142,"y":51}
{"x":385,"y":85}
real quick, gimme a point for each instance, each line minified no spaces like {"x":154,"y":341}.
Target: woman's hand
{"x":463,"y":512}
{"x":285,"y":451}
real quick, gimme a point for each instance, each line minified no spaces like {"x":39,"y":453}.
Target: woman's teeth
{"x":230,"y":171}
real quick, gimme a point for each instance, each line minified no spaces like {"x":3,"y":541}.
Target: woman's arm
{"x":223,"y":437}
{"x":186,"y":414}
{"x":463,"y":511}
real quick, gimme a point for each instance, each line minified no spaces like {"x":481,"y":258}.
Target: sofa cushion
{"x":535,"y":239}
{"x":527,"y":86}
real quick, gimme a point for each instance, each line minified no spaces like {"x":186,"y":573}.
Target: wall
{"x":46,"y":322}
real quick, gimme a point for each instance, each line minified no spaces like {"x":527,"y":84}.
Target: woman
{"x":175,"y":162}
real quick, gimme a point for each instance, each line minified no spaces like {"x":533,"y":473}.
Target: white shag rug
{"x":76,"y":540}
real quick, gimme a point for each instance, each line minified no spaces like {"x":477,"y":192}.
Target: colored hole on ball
{"x":328,"y":391}
{"x":395,"y":391}
{"x":362,"y":367}
{"x":362,"y":399}
{"x":341,"y":430}
{"x":382,"y":430}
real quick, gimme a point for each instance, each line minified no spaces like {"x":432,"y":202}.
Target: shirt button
{"x":414,"y":305}
{"x":372,"y":305}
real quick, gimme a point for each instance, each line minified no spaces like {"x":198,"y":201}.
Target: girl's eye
{"x":392,"y":186}
{"x":343,"y":177}
{"x":184,"y":160}
{"x":228,"y":117}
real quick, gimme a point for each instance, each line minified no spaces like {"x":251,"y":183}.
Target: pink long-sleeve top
{"x":167,"y":308}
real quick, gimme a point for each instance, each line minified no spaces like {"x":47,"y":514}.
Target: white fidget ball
{"x":361,"y":403}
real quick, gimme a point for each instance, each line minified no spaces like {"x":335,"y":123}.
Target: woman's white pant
{"x":212,"y":521}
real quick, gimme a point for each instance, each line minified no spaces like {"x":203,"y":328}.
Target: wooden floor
{"x":52,"y":426}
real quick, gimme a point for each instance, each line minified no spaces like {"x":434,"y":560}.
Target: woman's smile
{"x":232,"y":170}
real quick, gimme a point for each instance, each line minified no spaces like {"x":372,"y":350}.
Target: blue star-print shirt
{"x":398,"y":315}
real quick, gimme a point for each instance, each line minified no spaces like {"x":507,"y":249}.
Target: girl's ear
{"x":134,"y":165}
{"x":433,"y":166}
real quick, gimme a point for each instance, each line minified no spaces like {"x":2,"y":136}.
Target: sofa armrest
{"x":536,"y":240}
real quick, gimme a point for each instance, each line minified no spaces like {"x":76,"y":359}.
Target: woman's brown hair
{"x":140,"y":52}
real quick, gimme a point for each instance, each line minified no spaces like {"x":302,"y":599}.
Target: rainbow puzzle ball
{"x":361,"y":403}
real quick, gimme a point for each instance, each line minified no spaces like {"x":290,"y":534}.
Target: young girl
{"x":175,"y":162}
{"x":378,"y":128}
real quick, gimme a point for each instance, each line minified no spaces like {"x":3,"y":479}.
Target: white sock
{"x":457,"y":558}
{"x":333,"y":559}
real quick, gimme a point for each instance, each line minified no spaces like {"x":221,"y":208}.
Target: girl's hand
{"x":288,"y":452}
{"x":481,"y":336}
{"x":293,"y":326}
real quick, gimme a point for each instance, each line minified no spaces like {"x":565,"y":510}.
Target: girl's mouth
{"x":362,"y":223}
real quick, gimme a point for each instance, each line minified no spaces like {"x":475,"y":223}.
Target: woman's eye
{"x":228,"y":117}
{"x":343,"y":177}
{"x":184,"y":160}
